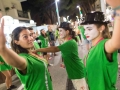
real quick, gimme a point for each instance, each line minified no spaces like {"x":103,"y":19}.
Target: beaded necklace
{"x":38,"y":57}
{"x":45,"y":64}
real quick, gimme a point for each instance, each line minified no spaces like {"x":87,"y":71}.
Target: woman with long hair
{"x":30,"y":68}
{"x":44,"y":43}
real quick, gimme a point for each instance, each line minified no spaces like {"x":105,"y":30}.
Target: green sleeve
{"x":40,"y":37}
{"x":36,"y":45}
{"x":63,"y":47}
{"x":66,"y":46}
{"x":29,"y":63}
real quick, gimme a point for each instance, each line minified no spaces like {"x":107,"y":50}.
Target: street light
{"x":57,"y":11}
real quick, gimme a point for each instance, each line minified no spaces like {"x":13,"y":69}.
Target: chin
{"x":88,"y":39}
{"x":30,"y":46}
{"x":61,"y":37}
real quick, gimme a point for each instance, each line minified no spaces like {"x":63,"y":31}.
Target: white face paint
{"x":62,"y":33}
{"x":91,"y":31}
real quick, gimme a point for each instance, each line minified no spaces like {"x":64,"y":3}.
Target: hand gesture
{"x":2,"y":36}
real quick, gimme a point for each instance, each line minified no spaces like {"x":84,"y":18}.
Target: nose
{"x":30,"y":38}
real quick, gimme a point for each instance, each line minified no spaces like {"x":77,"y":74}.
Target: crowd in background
{"x":31,"y":52}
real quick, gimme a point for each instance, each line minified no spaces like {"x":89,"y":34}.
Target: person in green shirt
{"x":5,"y":69}
{"x":36,"y":45}
{"x":56,"y":33}
{"x":51,"y":37}
{"x":29,"y":67}
{"x":44,"y":43}
{"x":101,"y":61}
{"x":86,"y":42}
{"x":69,"y":50}
{"x":78,"y":33}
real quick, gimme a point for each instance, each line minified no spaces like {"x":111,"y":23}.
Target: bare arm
{"x":13,"y":59}
{"x":113,"y":44}
{"x":49,"y":49}
{"x":8,"y":55}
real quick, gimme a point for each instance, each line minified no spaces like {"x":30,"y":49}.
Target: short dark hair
{"x":67,"y":26}
{"x":30,"y":28}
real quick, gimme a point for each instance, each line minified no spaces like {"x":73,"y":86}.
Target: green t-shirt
{"x":37,"y":76}
{"x":36,"y":45}
{"x":4,"y":66}
{"x":101,"y":73}
{"x":82,"y":30}
{"x":74,"y":65}
{"x":78,"y":38}
{"x":44,"y":41}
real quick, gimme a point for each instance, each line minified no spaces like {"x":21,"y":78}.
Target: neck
{"x":67,"y":38}
{"x":97,"y":40}
{"x":30,"y":49}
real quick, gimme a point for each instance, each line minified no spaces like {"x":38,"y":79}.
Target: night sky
{"x":42,"y":11}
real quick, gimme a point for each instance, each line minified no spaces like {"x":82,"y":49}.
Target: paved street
{"x":58,"y":74}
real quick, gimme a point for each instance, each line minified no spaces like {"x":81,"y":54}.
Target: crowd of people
{"x":29,"y":53}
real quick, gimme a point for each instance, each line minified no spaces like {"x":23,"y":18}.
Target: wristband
{"x":116,"y":8}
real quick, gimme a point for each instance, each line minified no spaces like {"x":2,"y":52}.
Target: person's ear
{"x":102,"y":28}
{"x":67,"y":32}
{"x":16,"y":42}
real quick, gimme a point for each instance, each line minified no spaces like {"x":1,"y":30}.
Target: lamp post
{"x":57,"y":11}
{"x":80,"y":11}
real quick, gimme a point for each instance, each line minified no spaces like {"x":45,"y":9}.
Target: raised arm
{"x":9,"y":55}
{"x":49,"y":49}
{"x":114,"y":43}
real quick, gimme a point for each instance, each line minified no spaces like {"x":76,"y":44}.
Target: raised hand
{"x":2,"y":36}
{"x":113,"y":3}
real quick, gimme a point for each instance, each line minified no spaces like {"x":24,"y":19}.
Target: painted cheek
{"x":85,"y":33}
{"x":92,"y":34}
{"x":62,"y":34}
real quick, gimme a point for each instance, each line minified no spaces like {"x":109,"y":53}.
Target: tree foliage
{"x":44,"y":11}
